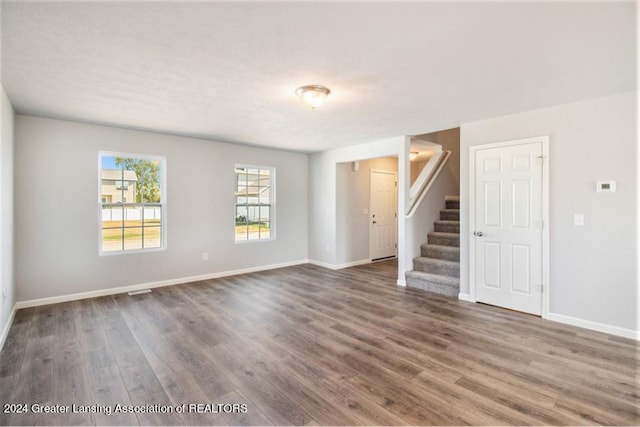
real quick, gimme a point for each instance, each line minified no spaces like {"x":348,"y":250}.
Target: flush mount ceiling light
{"x":313,"y":95}
{"x":413,"y":155}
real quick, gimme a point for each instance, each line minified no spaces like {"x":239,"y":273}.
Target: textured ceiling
{"x":228,"y":71}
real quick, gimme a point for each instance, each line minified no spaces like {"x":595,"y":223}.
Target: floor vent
{"x":141,"y":291}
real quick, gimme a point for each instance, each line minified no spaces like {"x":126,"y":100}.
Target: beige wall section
{"x":593,"y":271}
{"x":450,"y":141}
{"x":352,"y":198}
{"x":57,"y":237}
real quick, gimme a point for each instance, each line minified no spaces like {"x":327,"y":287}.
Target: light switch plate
{"x":578,"y":220}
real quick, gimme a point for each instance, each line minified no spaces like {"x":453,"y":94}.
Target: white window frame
{"x":163,"y":203}
{"x":272,"y":204}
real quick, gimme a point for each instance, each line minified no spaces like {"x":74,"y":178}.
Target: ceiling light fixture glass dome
{"x":313,"y":95}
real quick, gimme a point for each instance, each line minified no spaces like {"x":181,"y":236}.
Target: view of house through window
{"x":131,"y":203}
{"x":254,"y":203}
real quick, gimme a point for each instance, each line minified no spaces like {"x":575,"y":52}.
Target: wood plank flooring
{"x":309,"y":346}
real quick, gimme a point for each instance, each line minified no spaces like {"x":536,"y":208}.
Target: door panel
{"x":493,"y":203}
{"x":508,"y":247}
{"x":383,"y":206}
{"x":492,"y":264}
{"x":520,"y":269}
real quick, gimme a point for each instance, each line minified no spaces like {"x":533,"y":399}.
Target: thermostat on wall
{"x":606,"y":186}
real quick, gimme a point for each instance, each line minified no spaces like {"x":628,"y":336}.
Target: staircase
{"x":438,"y":267}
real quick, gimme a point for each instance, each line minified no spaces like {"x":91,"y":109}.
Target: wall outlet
{"x":205,"y":256}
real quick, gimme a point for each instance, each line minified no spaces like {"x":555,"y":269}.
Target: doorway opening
{"x":366,"y":211}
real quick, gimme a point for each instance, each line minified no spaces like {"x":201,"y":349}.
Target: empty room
{"x":319,"y":213}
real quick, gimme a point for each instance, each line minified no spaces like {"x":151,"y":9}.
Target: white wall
{"x":352,"y":198}
{"x":56,"y":165}
{"x":322,"y":187}
{"x":7,"y":283}
{"x":593,"y":271}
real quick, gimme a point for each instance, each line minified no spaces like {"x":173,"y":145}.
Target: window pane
{"x":241,"y":215}
{"x":112,"y":228}
{"x":254,"y":231}
{"x":149,"y":181}
{"x":264,"y":213}
{"x":111,"y":239}
{"x":152,"y":216}
{"x":265,"y":230}
{"x":152,"y":237}
{"x":133,"y":216}
{"x":264,"y":222}
{"x":265,"y":195}
{"x":241,"y":182}
{"x":112,"y":217}
{"x":252,"y":213}
{"x":133,"y":238}
{"x":265,"y":178}
{"x":241,"y":232}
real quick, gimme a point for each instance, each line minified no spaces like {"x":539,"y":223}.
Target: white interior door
{"x":383,"y":214}
{"x":508,"y":227}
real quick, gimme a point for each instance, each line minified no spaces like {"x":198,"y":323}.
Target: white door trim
{"x":544,"y":140}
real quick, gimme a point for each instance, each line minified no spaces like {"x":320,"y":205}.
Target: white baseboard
{"x":158,"y":284}
{"x":581,"y":323}
{"x":401,"y":282}
{"x":322,"y":264}
{"x":5,"y":331}
{"x":339,"y":266}
{"x":465,"y":297}
{"x":353,"y":264}
{"x":595,"y":326}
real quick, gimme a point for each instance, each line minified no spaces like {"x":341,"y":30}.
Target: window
{"x":254,"y":192}
{"x":132,"y":202}
{"x":122,"y":185}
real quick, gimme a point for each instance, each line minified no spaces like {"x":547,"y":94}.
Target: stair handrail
{"x":426,"y":185}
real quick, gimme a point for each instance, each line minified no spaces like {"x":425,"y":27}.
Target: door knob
{"x":478,"y":233}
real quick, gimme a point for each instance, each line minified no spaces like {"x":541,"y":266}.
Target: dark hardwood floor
{"x":309,"y":346}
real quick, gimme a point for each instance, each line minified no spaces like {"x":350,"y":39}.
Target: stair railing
{"x":425,"y":180}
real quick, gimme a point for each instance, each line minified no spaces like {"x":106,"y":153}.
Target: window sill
{"x":241,"y":242}
{"x":132,"y":251}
